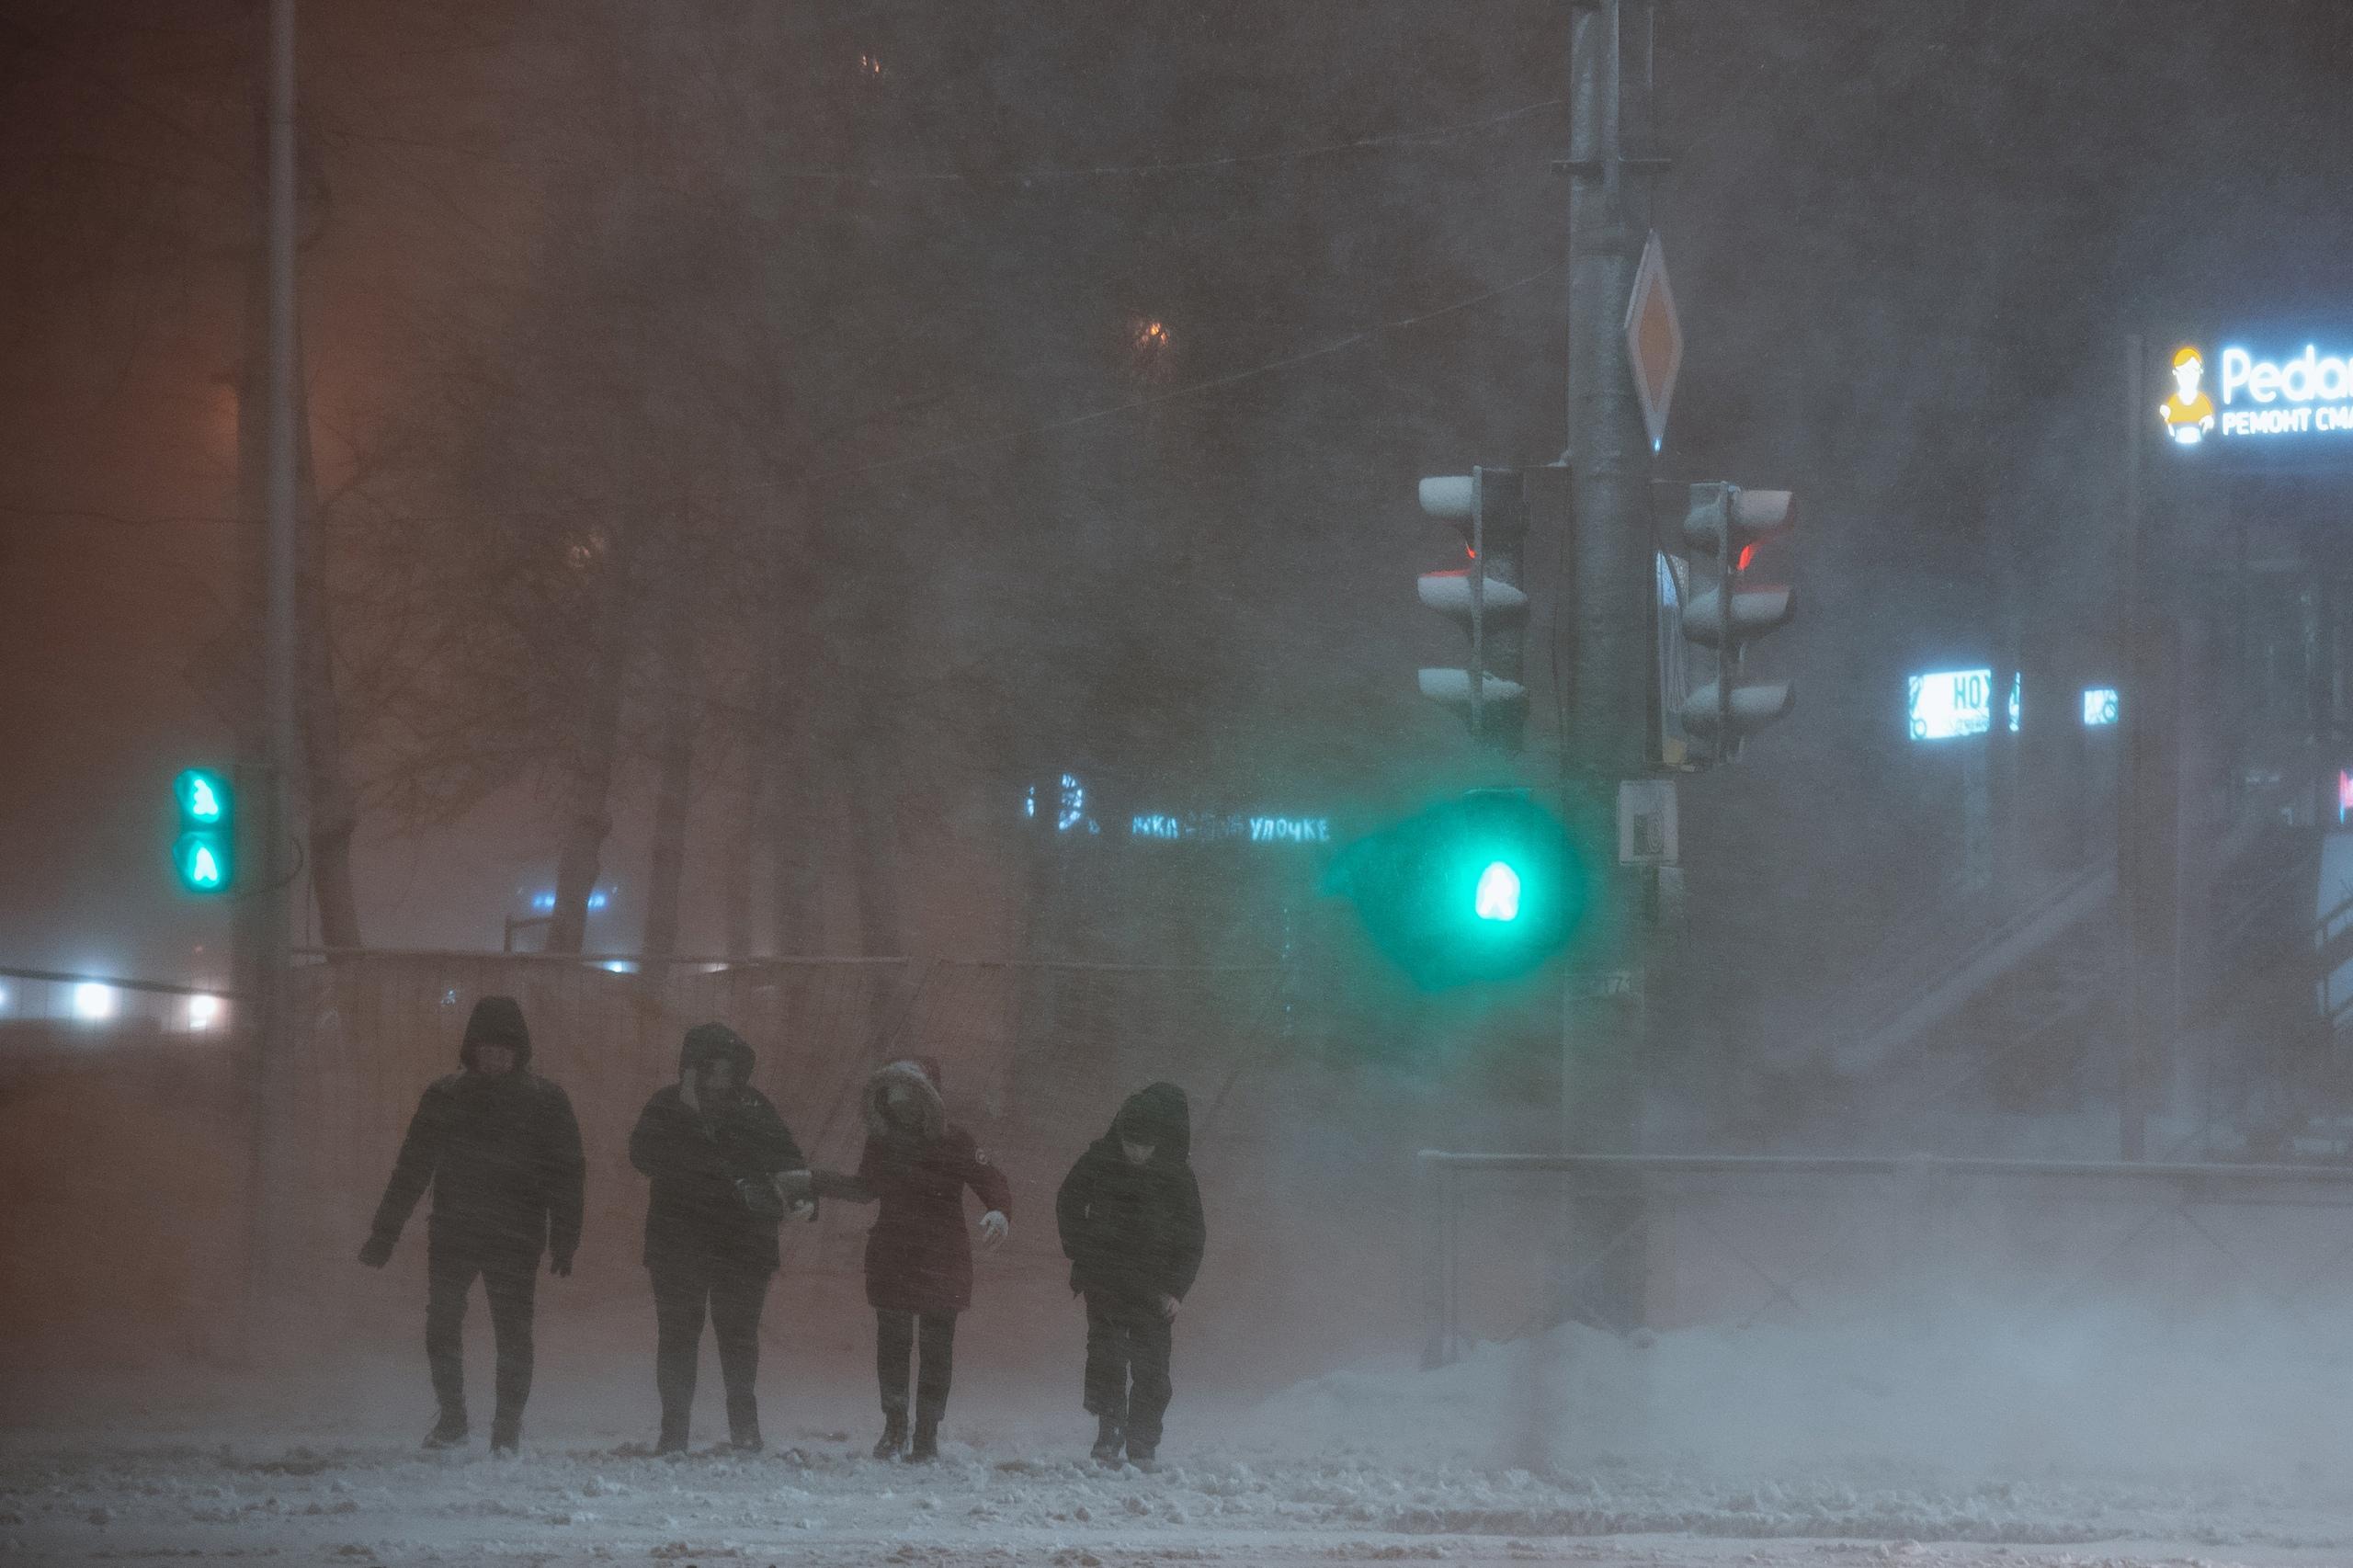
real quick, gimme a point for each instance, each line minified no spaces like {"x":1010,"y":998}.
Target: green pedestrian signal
{"x":1486,"y":886}
{"x":204,"y":855}
{"x":1498,"y":895}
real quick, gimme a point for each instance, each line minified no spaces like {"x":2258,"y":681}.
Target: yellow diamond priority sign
{"x":1653,"y":339}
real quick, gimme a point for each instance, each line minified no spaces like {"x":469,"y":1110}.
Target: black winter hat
{"x":497,"y":1021}
{"x":707,"y":1042}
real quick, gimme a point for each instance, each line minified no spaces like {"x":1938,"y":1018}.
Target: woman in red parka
{"x":918,"y":1259}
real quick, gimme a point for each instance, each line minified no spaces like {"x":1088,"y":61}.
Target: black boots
{"x":449,"y":1432}
{"x":894,"y":1444}
{"x":505,"y":1433}
{"x":1108,"y":1440}
{"x":1143,"y":1457}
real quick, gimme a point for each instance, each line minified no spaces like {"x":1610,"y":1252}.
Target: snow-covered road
{"x":2078,"y":1444}
{"x":818,"y":1501}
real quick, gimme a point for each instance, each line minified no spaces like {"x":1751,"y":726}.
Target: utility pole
{"x":2148,"y":805}
{"x":1610,"y":634}
{"x":271,"y":961}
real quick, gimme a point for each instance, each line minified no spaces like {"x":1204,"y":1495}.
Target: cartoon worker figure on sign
{"x":2189,"y":414}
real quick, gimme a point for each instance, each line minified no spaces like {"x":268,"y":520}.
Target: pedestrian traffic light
{"x":1485,"y":598}
{"x":1483,"y":886}
{"x":1726,"y":524}
{"x":205,"y":853}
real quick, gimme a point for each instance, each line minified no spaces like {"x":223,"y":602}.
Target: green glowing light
{"x":1498,"y":894}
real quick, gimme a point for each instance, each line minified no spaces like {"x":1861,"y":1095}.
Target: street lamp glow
{"x":1498,"y":894}
{"x":203,"y":1012}
{"x":93,"y":1002}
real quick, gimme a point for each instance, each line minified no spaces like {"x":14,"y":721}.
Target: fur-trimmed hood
{"x":716,"y":1042}
{"x":920,"y":1075}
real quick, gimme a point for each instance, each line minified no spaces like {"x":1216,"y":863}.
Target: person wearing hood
{"x":1130,"y":1215}
{"x":916,"y":1165}
{"x":500,"y":1148}
{"x":723,"y":1171}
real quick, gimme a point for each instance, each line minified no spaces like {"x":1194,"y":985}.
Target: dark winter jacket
{"x":1135,"y":1232}
{"x":919,"y":1254}
{"x":502,"y":1154}
{"x":694,"y":1212}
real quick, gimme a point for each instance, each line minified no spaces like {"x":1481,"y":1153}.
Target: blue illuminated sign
{"x":2100,"y":706}
{"x":1070,"y":805}
{"x":1949,"y":704}
{"x":1240,"y":826}
{"x":2244,"y":394}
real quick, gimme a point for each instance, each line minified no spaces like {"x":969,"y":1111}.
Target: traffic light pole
{"x":1611,"y":640}
{"x":268,"y":963}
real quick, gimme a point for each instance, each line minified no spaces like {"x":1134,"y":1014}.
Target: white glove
{"x":994,"y":1227}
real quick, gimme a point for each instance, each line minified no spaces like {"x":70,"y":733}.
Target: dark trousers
{"x":510,"y":1276}
{"x":732,"y":1294}
{"x":1128,"y":1339}
{"x":894,"y":1339}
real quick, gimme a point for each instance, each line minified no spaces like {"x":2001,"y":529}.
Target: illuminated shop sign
{"x":2239,"y":394}
{"x":1070,"y":806}
{"x":1949,"y":704}
{"x":1244,"y":827}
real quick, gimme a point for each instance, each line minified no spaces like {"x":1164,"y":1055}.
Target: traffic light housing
{"x":1726,"y":523}
{"x":204,"y":855}
{"x":1485,"y":886}
{"x":1486,"y":597}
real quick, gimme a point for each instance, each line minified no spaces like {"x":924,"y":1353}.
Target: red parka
{"x":919,"y":1254}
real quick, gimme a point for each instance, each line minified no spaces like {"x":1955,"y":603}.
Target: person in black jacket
{"x":1129,"y":1214}
{"x":500,"y":1148}
{"x":723,"y":1171}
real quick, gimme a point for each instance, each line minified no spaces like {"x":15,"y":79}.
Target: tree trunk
{"x":674,"y":791}
{"x":735,"y":890}
{"x":790,"y":805}
{"x":333,"y":805}
{"x":873,"y":833}
{"x":589,"y":786}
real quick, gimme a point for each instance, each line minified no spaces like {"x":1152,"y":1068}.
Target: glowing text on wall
{"x":1247,"y":827}
{"x":1947,"y":704}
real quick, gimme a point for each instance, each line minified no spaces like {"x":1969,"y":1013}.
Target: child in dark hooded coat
{"x":710,"y":1145}
{"x":1130,"y":1215}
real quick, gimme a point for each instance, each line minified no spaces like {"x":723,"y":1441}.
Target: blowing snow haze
{"x":891,"y":531}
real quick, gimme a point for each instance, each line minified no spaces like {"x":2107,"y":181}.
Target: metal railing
{"x":2028,"y":1211}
